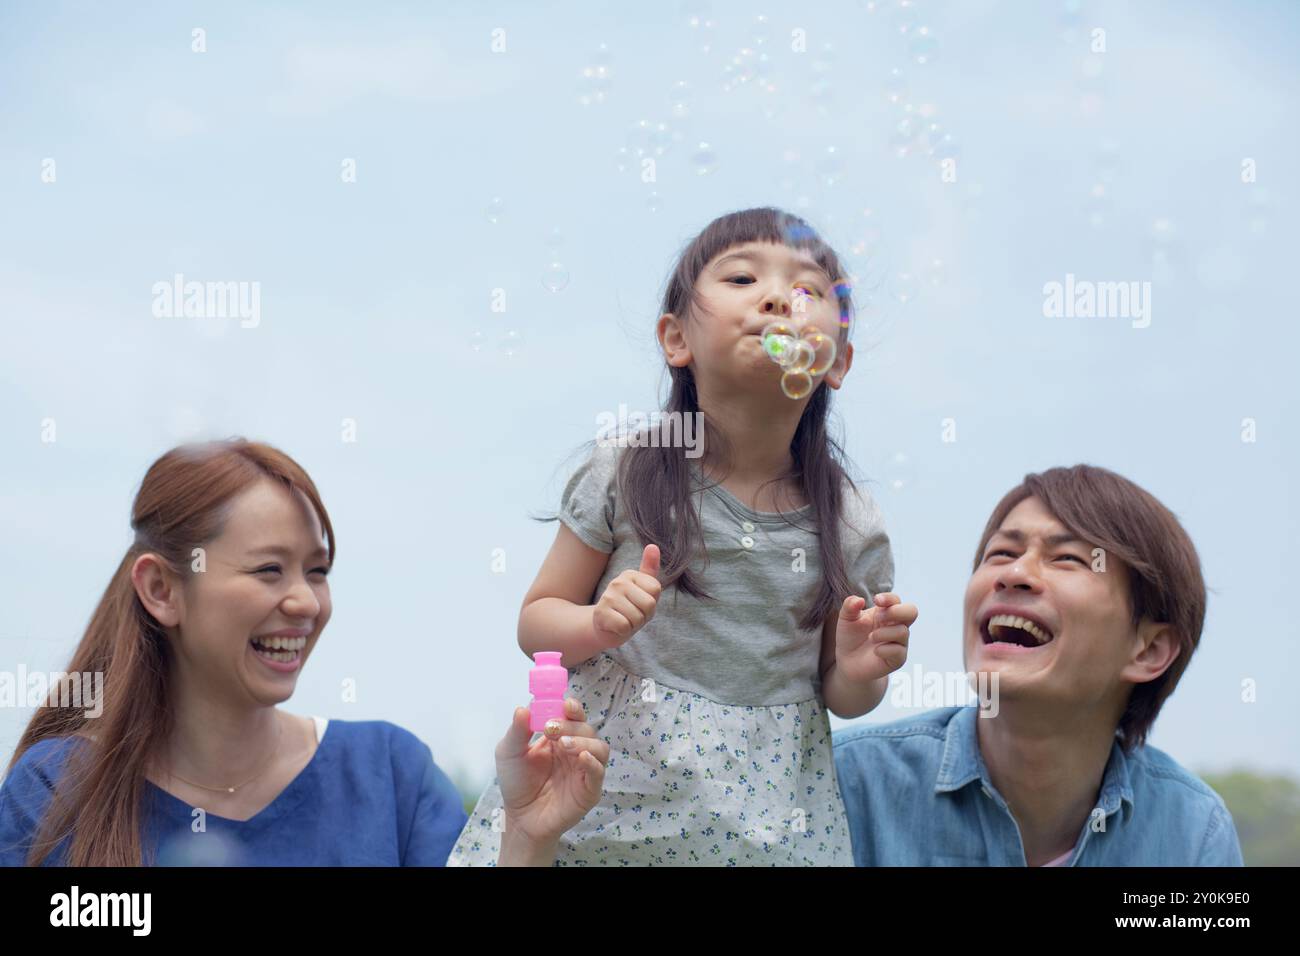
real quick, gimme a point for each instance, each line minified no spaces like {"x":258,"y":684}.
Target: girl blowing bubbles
{"x":711,"y":609}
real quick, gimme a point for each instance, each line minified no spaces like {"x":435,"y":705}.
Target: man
{"x":1084,"y":608}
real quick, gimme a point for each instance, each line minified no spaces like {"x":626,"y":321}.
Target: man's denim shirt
{"x":918,"y":793}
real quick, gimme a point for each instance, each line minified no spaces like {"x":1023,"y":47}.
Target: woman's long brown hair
{"x":99,"y":797}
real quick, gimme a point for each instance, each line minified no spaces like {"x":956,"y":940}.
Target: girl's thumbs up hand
{"x":629,"y":601}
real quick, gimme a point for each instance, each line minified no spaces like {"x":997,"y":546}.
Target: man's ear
{"x":1156,"y":648}
{"x":158,"y":589}
{"x":672,"y":341}
{"x":840,"y":367}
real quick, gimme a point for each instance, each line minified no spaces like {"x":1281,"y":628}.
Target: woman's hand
{"x":546,"y":785}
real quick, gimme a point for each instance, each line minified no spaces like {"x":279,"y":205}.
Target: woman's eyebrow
{"x":283,"y":552}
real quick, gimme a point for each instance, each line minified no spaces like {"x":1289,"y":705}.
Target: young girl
{"x":713,"y":695}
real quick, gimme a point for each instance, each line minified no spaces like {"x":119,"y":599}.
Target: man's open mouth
{"x":1015,"y":629}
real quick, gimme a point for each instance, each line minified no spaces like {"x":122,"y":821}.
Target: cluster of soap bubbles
{"x":803,"y":352}
{"x":801,"y":349}
{"x":595,"y":80}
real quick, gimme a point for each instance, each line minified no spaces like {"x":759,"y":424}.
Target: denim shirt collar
{"x":962,"y":765}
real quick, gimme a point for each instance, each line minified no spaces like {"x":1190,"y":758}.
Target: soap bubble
{"x":898,"y":471}
{"x":823,"y":350}
{"x":904,"y":16}
{"x":623,"y":159}
{"x":904,"y":287}
{"x":647,"y":138}
{"x":555,"y":277}
{"x":778,"y":347}
{"x":923,"y":45}
{"x":1070,"y":21}
{"x":704,"y":159}
{"x":935,"y":273}
{"x":904,"y":136}
{"x":803,"y":355}
{"x":594,"y":80}
{"x":831,"y":166}
{"x":739,"y":70}
{"x":679,"y":106}
{"x":510,"y":343}
{"x":796,"y":384}
{"x":477,"y":340}
{"x":554,"y":240}
{"x":1098,"y":205}
{"x":496,"y":208}
{"x":929,"y":136}
{"x":696,"y":13}
{"x":652,"y":203}
{"x":896,"y":85}
{"x":778,"y":338}
{"x":800,"y":357}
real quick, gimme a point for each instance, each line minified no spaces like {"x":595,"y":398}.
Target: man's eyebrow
{"x":1052,"y":539}
{"x":283,"y":552}
{"x":808,"y":265}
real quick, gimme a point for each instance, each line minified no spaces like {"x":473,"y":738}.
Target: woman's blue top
{"x":370,"y":796}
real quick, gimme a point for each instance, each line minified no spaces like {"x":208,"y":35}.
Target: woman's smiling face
{"x":264,"y":579}
{"x":743,"y":290}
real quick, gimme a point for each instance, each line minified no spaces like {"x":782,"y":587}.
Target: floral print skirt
{"x":691,"y":782}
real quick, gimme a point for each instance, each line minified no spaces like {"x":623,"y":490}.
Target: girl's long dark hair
{"x":656,"y":484}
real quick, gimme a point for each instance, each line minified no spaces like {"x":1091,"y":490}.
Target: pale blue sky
{"x":225,"y":165}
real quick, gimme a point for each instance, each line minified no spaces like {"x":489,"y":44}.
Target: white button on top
{"x":747,"y":541}
{"x":747,"y":526}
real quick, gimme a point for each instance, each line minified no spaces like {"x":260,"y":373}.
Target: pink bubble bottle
{"x":547,"y":682}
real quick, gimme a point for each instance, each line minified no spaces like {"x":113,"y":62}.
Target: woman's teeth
{"x":281,"y":649}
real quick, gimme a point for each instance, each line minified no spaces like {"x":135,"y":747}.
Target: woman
{"x":201,"y":634}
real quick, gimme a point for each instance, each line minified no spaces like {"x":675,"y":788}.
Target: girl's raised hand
{"x":629,"y":601}
{"x":548,"y":785}
{"x":872,"y":644}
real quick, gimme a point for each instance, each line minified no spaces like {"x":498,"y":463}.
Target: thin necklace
{"x":279,"y":734}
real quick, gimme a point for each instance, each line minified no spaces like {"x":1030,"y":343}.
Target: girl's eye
{"x":734,"y":278}
{"x":994,"y":554}
{"x":809,"y":289}
{"x":321,"y":571}
{"x":273,"y":568}
{"x":1072,"y":557}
